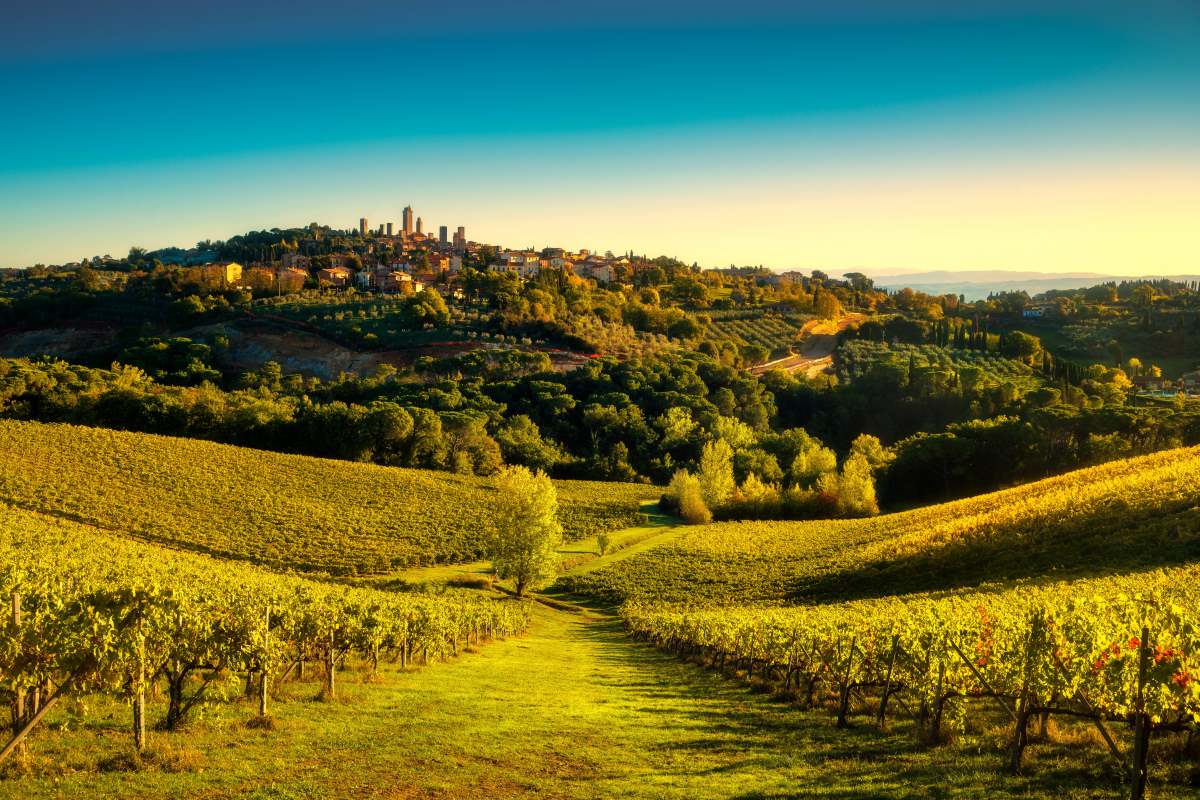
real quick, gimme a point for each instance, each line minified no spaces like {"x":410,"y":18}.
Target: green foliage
{"x":716,"y":473}
{"x":687,"y":495}
{"x":145,"y":614}
{"x":1059,"y":643}
{"x":525,"y":532}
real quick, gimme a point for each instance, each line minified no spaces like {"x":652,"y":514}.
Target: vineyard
{"x":145,"y":621}
{"x":1075,"y":599}
{"x":283,"y":511}
{"x":1114,"y":652}
{"x":1129,"y":514}
{"x":855,"y":358}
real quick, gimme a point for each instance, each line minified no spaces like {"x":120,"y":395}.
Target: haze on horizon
{"x":1059,"y":136}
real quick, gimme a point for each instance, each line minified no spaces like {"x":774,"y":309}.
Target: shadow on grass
{"x":1108,"y":541}
{"x":715,"y":725}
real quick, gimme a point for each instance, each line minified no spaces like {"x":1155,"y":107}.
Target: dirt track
{"x":816,"y":348}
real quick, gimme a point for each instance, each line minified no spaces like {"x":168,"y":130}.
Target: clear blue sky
{"x":1052,"y":135}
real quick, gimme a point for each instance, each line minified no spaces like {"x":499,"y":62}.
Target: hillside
{"x":284,"y":511}
{"x":1124,"y":515}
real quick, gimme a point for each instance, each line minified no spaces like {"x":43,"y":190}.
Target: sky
{"x":1055,"y":136}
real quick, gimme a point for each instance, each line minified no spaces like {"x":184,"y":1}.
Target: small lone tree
{"x":525,"y":530}
{"x":685,"y":490}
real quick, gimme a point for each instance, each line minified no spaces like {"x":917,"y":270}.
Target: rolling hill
{"x":283,"y":511}
{"x":1121,"y":516}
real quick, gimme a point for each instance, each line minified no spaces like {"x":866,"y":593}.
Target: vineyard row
{"x":1115,"y":659}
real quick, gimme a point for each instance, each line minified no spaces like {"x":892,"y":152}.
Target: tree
{"x":688,"y":497}
{"x":870,"y":448}
{"x":525,"y":531}
{"x":521,"y":442}
{"x":1022,"y":346}
{"x":687,"y":289}
{"x":859,"y":282}
{"x":427,"y":307}
{"x":716,"y":473}
{"x":856,"y":488}
{"x":828,"y":306}
{"x":676,"y":425}
{"x":1143,"y":296}
{"x":755,"y":354}
{"x":87,"y":280}
{"x":811,"y":462}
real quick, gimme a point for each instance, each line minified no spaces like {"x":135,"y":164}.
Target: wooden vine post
{"x":330,"y":688}
{"x":1141,"y":724}
{"x":939,"y":701}
{"x":887,"y":683}
{"x":1021,"y":732}
{"x":847,"y":685}
{"x":139,"y":696}
{"x":262,"y":677}
{"x":18,"y":708}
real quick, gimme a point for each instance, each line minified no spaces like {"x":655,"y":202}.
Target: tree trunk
{"x":330,"y":685}
{"x":1141,"y":726}
{"x":262,"y":693}
{"x":175,"y":679}
{"x":1020,"y":737}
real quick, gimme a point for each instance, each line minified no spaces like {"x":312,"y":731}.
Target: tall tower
{"x":420,"y":226}
{"x":389,"y":229}
{"x":443,"y":235}
{"x":362,"y":226}
{"x":408,"y":221}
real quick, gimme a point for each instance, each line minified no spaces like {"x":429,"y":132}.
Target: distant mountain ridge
{"x":978,"y":284}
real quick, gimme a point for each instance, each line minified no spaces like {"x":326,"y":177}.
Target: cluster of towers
{"x":414,"y":230}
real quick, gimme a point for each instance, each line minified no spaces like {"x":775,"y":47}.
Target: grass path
{"x":578,"y":557}
{"x":573,"y":709}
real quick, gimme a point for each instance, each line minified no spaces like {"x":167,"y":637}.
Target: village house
{"x":225,"y":273}
{"x":398,"y":283}
{"x":337,"y":277}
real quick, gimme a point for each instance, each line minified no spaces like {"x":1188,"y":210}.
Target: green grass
{"x":1133,"y":514}
{"x":577,"y":557}
{"x":284,"y":511}
{"x":571,"y":710}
